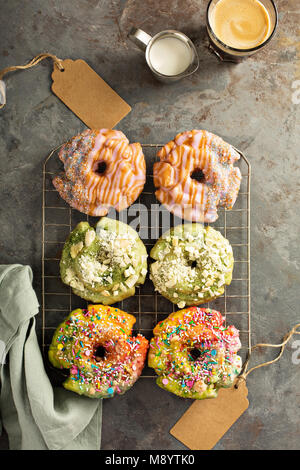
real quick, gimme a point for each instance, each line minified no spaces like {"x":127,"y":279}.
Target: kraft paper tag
{"x":206,"y":421}
{"x":88,"y":95}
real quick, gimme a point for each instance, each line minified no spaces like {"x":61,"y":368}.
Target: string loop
{"x":282,"y":345}
{"x":36,"y":60}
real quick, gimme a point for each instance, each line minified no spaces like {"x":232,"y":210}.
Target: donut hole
{"x":195,"y":353}
{"x":99,"y":353}
{"x":100,"y":168}
{"x":198,"y":175}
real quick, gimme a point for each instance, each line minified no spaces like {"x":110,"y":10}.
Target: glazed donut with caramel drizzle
{"x":196,"y":175}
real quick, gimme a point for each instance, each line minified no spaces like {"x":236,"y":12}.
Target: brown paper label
{"x":88,"y":95}
{"x":206,"y":421}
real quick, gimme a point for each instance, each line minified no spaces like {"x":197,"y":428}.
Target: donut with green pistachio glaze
{"x":194,"y":354}
{"x":103,"y":264}
{"x":97,"y":347}
{"x":193,"y":263}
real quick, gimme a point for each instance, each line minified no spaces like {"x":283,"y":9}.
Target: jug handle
{"x":140,"y":38}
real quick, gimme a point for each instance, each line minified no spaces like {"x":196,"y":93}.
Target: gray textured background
{"x":249,"y":104}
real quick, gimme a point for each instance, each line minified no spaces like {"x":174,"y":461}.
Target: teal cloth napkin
{"x":34,"y":415}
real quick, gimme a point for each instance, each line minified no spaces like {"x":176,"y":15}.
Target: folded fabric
{"x":34,"y":415}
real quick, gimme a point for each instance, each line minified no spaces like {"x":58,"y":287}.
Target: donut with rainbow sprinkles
{"x":97,"y":347}
{"x":194,"y":354}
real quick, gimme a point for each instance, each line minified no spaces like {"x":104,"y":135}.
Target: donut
{"x":196,"y":175}
{"x":103,"y":264}
{"x":97,"y":347}
{"x":102,"y":170}
{"x":194,"y":354}
{"x":193,"y":263}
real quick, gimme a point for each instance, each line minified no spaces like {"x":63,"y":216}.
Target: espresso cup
{"x":170,"y":54}
{"x":228,"y":53}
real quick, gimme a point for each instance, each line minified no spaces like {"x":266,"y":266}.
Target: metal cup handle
{"x":139,"y":38}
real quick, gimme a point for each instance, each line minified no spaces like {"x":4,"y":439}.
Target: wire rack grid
{"x":149,"y":307}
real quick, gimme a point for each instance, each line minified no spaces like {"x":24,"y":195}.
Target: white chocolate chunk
{"x":124,"y":243}
{"x":131,"y":280}
{"x":171,"y":283}
{"x":129,"y":271}
{"x":69,"y":275}
{"x":89,"y":237}
{"x":103,"y":268}
{"x":154,"y":267}
{"x":77,"y":284}
{"x":75,"y":249}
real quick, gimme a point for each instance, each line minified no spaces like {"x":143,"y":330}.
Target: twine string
{"x":282,"y":345}
{"x":35,"y":61}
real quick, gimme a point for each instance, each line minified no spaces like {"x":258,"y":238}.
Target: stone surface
{"x":253,"y":105}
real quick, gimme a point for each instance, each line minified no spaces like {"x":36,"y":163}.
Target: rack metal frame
{"x":234,"y":305}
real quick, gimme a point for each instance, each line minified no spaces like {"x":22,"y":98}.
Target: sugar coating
{"x":183,"y":195}
{"x":94,"y":193}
